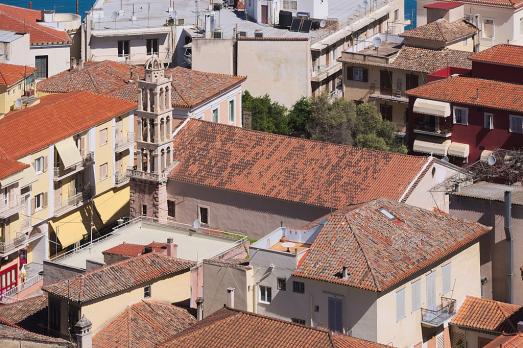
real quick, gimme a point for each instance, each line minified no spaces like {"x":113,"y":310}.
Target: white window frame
{"x":263,"y":298}
{"x":231,"y":110}
{"x":39,"y":198}
{"x":415,"y":306}
{"x":39,"y":162}
{"x":488,"y":120}
{"x":493,"y":28}
{"x":106,"y":171}
{"x":465,"y":115}
{"x":511,"y":117}
{"x":400,"y":311}
{"x":357,"y":73}
{"x":200,"y":215}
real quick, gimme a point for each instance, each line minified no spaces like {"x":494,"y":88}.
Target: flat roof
{"x":155,"y":13}
{"x":492,"y":192}
{"x":9,"y":36}
{"x":193,"y":246}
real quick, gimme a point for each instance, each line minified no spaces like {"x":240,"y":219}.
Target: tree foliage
{"x":320,"y":118}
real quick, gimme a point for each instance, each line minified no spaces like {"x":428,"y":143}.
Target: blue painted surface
{"x":68,"y":6}
{"x":410,"y":12}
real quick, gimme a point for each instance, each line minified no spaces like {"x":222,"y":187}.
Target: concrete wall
{"x":9,"y":96}
{"x":213,"y":55}
{"x":58,"y":57}
{"x":55,"y":272}
{"x":494,"y":262}
{"x":279,"y":68}
{"x":18,"y":52}
{"x":231,"y":211}
{"x":12,"y":343}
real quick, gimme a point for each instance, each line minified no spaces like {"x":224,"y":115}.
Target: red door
{"x":8,"y":278}
{"x":265,"y":14}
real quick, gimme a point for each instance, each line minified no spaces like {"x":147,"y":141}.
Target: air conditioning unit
{"x":258,"y":33}
{"x":180,"y":21}
{"x":217,"y":34}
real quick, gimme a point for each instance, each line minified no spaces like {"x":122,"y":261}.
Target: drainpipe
{"x":508,"y":235}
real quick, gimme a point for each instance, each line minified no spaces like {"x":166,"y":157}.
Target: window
{"x":281,"y":284}
{"x":41,"y":65}
{"x":298,"y":287}
{"x":290,"y":5}
{"x":400,"y":304}
{"x":147,"y":291}
{"x":446,"y":271}
{"x":231,"y":110}
{"x":39,"y":201}
{"x":265,"y":294}
{"x":152,"y":46}
{"x":104,"y":136}
{"x":488,"y":120}
{"x":416,"y":294}
{"x":39,"y":165}
{"x":461,"y":115}
{"x":335,"y":314}
{"x":144,"y":209}
{"x":5,"y":196}
{"x":123,"y":48}
{"x":488,"y":28}
{"x":430,"y":281}
{"x":298,"y":321}
{"x":412,"y":81}
{"x":203,"y":215}
{"x":104,"y":171}
{"x":357,"y":73}
{"x":171,"y":208}
{"x":215,"y":115}
{"x":516,"y":124}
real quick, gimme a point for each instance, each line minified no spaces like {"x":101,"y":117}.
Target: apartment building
{"x":362,"y":271}
{"x":465,"y":117}
{"x":15,"y":82}
{"x":64,"y":176}
{"x":49,"y":46}
{"x":498,"y":21}
{"x":105,"y":292}
{"x":196,"y":94}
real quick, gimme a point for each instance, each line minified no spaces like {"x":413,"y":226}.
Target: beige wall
{"x":171,"y":290}
{"x":11,"y":94}
{"x":465,"y":280}
{"x":213,"y":55}
{"x":205,"y":111}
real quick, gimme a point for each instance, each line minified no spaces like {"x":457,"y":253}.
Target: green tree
{"x":267,"y":115}
{"x":299,"y":117}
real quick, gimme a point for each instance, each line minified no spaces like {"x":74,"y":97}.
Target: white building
{"x":382,"y":271}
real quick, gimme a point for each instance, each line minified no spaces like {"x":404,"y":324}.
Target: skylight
{"x":387,"y":213}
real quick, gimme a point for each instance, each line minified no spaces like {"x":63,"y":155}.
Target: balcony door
{"x":431,"y":290}
{"x":335,"y":314}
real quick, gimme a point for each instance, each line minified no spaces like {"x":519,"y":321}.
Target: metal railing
{"x":12,"y":206}
{"x":6,"y":247}
{"x":120,"y":178}
{"x":11,"y":295}
{"x":123,"y":141}
{"x":62,"y":206}
{"x":436,"y":317}
{"x":138,"y":174}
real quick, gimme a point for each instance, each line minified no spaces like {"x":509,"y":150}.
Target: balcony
{"x":138,"y":174}
{"x":396,"y":95}
{"x":63,"y":206}
{"x":120,"y":179}
{"x":436,"y":317}
{"x":321,"y":72}
{"x":60,"y":173}
{"x":123,"y":141}
{"x":11,"y":208}
{"x":431,"y":125}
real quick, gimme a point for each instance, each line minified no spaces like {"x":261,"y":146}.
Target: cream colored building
{"x":64,"y":175}
{"x":15,"y":82}
{"x":383,"y":271}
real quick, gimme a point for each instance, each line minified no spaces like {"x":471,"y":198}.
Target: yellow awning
{"x":72,"y":228}
{"x":459,"y":150}
{"x":431,"y":107}
{"x":109,"y":204}
{"x":68,"y":152}
{"x":432,"y":148}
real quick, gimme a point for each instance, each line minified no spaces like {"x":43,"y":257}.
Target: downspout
{"x":508,"y":235}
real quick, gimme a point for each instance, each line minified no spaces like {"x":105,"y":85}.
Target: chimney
{"x":172,"y":249}
{"x":344,"y":273}
{"x":199,"y":308}
{"x":520,"y":326}
{"x":84,"y":338}
{"x":230,"y":297}
{"x":147,"y":250}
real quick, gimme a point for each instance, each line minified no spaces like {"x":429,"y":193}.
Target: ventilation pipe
{"x":199,"y":308}
{"x":230,"y":297}
{"x":508,"y":236}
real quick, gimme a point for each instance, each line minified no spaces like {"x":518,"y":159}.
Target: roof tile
{"x":442,"y":30}
{"x":11,"y":74}
{"x":511,"y":55}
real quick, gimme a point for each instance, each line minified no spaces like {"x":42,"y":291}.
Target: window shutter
{"x":350,"y":75}
{"x":416,"y":294}
{"x":44,"y":161}
{"x":400,"y":304}
{"x":33,"y":205}
{"x":44,"y":200}
{"x":365,"y":75}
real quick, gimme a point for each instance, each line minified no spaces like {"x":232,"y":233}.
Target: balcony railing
{"x":87,"y":160}
{"x":138,"y":174}
{"x":430,"y":125}
{"x":436,"y":317}
{"x":8,"y":246}
{"x":12,"y":207}
{"x":123,"y":141}
{"x":120,"y":179}
{"x":64,"y":206}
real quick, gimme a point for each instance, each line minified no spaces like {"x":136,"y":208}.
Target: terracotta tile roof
{"x":117,"y":277}
{"x":191,"y":88}
{"x":143,"y":325}
{"x":473,"y":91}
{"x":506,"y":341}
{"x":23,"y":309}
{"x":442,"y":30}
{"x":131,"y":250}
{"x":497,"y":3}
{"x":56,"y":117}
{"x":11,"y":74}
{"x":230,"y":328}
{"x":511,"y":55}
{"x":287,"y":168}
{"x":444,"y":5}
{"x":488,"y":315}
{"x":9,"y":167}
{"x":10,"y":331}
{"x":381,"y":253}
{"x":22,"y":20}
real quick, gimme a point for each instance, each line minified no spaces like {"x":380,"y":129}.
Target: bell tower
{"x":153,"y":158}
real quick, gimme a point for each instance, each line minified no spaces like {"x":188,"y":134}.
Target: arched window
{"x":144,"y":130}
{"x":152,"y":138}
{"x":162,"y":160}
{"x":145,"y":160}
{"x":168,"y":130}
{"x":162,"y":129}
{"x":152,"y":97}
{"x":167,"y":98}
{"x":168,"y":158}
{"x":161,"y":102}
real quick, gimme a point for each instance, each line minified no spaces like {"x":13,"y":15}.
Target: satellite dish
{"x":376,"y":42}
{"x":323,"y":23}
{"x":491,"y":160}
